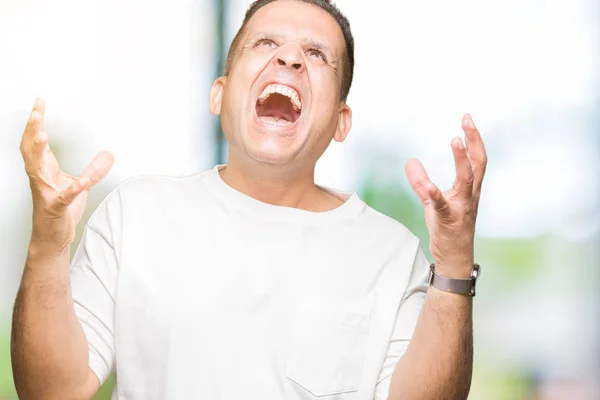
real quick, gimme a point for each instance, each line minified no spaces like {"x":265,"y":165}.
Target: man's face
{"x":281,"y":101}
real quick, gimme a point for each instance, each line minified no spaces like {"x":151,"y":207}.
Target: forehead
{"x":297,"y":20}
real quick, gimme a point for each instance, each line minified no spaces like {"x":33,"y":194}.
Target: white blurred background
{"x":133,"y":77}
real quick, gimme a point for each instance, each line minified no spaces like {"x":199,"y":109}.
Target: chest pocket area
{"x":326,"y":353}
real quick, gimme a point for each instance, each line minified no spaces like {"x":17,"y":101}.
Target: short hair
{"x":331,"y":8}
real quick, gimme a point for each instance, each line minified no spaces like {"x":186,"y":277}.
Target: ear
{"x":216,"y":95}
{"x":344,"y":123}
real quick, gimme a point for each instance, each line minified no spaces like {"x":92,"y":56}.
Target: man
{"x":248,"y":280}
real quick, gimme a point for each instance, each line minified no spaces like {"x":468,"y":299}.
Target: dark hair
{"x":331,"y":8}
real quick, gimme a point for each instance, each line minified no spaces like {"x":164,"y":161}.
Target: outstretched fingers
{"x":463,"y":184}
{"x":33,"y":141}
{"x":98,"y":168}
{"x":418,"y":178}
{"x":475,"y":152}
{"x":95,"y":171}
{"x":39,"y":105}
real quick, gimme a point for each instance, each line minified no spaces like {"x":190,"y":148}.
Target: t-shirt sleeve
{"x":94,"y":272}
{"x":406,"y":320}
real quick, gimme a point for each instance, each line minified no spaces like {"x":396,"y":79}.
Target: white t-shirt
{"x":189,"y":289}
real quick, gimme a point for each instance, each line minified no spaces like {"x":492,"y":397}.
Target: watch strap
{"x":465,"y":286}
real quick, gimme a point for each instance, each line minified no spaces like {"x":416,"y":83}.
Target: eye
{"x":316,"y":53}
{"x":266,"y":43}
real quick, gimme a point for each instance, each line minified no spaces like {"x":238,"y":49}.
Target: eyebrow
{"x":305,"y":41}
{"x":315,"y":45}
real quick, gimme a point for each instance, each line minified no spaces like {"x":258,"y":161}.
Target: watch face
{"x":431,"y":270}
{"x":476,"y":271}
{"x":474,"y":275}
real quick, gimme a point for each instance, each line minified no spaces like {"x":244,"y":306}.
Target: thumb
{"x":440,"y":204}
{"x":418,"y":178}
{"x":98,"y":168}
{"x":67,"y":196}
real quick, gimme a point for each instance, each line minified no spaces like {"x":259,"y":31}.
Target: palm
{"x":450,"y":216}
{"x":430,"y":214}
{"x":61,"y":181}
{"x":58,"y":197}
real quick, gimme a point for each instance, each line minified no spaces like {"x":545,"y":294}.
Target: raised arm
{"x":438,"y":362}
{"x":48,"y":347}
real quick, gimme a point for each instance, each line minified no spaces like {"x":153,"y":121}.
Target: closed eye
{"x":316,"y":53}
{"x":265,"y":43}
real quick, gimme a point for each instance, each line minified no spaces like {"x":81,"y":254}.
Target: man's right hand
{"x":58,"y":198}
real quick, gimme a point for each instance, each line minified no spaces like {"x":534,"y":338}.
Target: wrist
{"x":45,"y":249}
{"x":457,"y":285}
{"x":455,"y":270}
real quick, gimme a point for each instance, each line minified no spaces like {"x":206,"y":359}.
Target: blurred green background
{"x":133,"y":77}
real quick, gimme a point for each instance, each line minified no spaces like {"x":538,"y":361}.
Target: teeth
{"x":283,"y":90}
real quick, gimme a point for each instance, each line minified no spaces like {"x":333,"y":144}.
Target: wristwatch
{"x":454,"y":285}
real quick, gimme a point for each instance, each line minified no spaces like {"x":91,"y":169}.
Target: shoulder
{"x":387,"y":229}
{"x":150,"y":193}
{"x":157,"y":184}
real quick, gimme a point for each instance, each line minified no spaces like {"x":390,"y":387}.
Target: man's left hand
{"x":450,"y":216}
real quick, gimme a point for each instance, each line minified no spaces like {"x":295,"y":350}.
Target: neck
{"x":278,"y":185}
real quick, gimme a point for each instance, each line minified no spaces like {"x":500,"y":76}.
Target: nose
{"x":290,"y":55}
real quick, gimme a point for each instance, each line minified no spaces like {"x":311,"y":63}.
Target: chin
{"x":272,"y":146}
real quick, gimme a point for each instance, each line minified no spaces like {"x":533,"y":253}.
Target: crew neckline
{"x":351,"y":207}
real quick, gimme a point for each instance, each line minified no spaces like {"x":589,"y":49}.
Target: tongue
{"x":275,"y":121}
{"x":275,"y":113}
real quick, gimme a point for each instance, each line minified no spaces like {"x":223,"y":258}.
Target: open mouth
{"x":278,"y":105}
